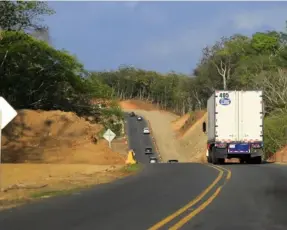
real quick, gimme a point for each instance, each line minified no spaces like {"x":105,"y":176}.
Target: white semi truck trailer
{"x":235,"y":126}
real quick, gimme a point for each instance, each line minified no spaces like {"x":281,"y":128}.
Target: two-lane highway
{"x":255,"y":199}
{"x":137,"y":202}
{"x":167,"y":196}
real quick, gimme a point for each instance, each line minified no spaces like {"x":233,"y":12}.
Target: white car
{"x":152,"y":160}
{"x":139,"y":118}
{"x":146,"y":130}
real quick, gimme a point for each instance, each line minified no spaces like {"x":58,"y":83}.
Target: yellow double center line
{"x":187,"y":218}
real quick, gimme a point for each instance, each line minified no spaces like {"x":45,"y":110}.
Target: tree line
{"x":35,"y":75}
{"x":237,"y":62}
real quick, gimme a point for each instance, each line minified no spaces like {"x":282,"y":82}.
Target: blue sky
{"x":160,"y":36}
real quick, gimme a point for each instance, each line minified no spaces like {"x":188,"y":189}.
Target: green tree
{"x":23,"y":15}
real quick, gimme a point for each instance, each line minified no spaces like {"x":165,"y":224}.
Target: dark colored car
{"x":132,"y":114}
{"x":172,"y":161}
{"x":148,"y":150}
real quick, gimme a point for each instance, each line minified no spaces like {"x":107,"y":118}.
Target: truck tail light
{"x":220,"y":145}
{"x":256,"y":145}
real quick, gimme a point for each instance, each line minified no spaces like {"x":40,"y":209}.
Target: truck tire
{"x":257,"y":160}
{"x":214,"y":160}
{"x":208,"y":158}
{"x":221,"y":161}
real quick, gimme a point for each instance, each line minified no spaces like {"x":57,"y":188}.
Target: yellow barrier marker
{"x":130,"y":159}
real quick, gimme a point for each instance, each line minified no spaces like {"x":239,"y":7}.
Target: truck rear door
{"x":226,"y":115}
{"x":250,"y":116}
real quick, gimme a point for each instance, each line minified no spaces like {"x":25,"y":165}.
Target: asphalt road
{"x":137,"y":140}
{"x":167,"y":196}
{"x":255,"y":198}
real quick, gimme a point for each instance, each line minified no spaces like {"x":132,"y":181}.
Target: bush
{"x":275,"y":131}
{"x":112,"y":118}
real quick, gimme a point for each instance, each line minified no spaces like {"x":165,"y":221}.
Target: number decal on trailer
{"x":224,"y":95}
{"x":224,"y":99}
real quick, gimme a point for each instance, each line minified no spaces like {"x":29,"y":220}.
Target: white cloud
{"x":253,"y":19}
{"x":190,"y":41}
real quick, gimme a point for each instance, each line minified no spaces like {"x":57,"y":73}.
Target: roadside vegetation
{"x":232,"y":63}
{"x":35,"y":75}
{"x":53,"y":146}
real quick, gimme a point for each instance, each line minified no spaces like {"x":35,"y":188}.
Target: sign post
{"x":7,"y":114}
{"x":109,"y":135}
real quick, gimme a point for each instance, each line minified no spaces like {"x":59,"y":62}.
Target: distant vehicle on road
{"x":235,"y":126}
{"x":139,"y":118}
{"x":172,"y":161}
{"x":132,"y":114}
{"x":148,"y":150}
{"x":153,"y":160}
{"x":146,"y":130}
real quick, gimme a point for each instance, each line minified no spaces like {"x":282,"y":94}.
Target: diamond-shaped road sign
{"x":109,"y":135}
{"x":7,"y":113}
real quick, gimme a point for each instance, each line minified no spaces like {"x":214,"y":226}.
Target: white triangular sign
{"x":8,"y":112}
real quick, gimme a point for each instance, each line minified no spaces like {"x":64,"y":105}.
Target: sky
{"x":159,"y":36}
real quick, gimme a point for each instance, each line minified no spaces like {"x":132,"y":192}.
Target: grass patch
{"x":132,"y":168}
{"x":51,"y":193}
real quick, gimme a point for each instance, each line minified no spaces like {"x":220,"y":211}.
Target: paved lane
{"x":137,"y":140}
{"x":254,"y":199}
{"x":136,"y":202}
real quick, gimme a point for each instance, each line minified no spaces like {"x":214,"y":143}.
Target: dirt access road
{"x":166,"y":127}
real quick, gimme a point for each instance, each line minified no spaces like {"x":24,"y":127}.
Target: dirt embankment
{"x":191,"y":140}
{"x":280,"y":156}
{"x":177,"y":137}
{"x":54,"y":150}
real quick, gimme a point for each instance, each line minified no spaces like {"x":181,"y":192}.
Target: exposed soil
{"x":55,"y":137}
{"x":57,"y":149}
{"x":280,"y":156}
{"x":23,"y":182}
{"x":178,"y":123}
{"x":177,"y":137}
{"x":192,"y":141}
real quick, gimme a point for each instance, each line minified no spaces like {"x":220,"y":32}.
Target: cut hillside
{"x":178,"y":123}
{"x":191,"y":140}
{"x":186,"y":122}
{"x":138,"y":104}
{"x":176,"y":137}
{"x":279,"y":156}
{"x":55,"y":137}
{"x":160,"y":124}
